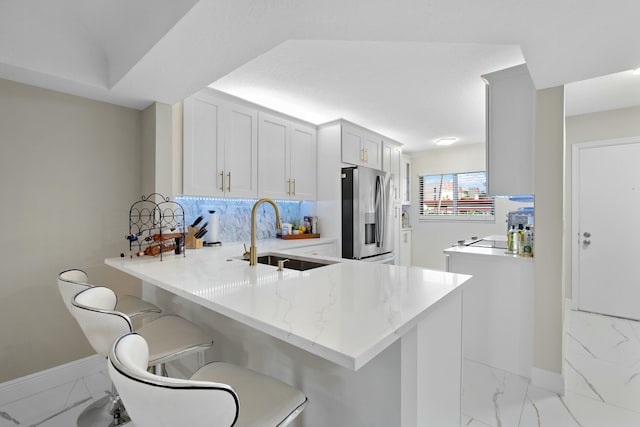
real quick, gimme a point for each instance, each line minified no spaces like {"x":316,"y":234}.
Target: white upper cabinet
{"x":273,"y":154}
{"x":511,"y":100}
{"x":202,"y":146}
{"x":241,"y":151}
{"x":304,"y":162}
{"x":405,"y":180}
{"x":287,"y":153}
{"x":220,"y":148}
{"x":361,"y":147}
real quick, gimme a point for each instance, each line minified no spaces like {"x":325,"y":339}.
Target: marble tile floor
{"x":602,"y":375}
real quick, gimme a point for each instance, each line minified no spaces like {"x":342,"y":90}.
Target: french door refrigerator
{"x":367,"y":226}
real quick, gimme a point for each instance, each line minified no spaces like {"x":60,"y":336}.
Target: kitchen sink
{"x":294,"y":262}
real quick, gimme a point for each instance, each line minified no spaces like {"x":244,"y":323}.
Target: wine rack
{"x":156,"y":227}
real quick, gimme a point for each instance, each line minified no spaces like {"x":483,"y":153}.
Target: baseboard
{"x":29,"y":385}
{"x":548,"y":380}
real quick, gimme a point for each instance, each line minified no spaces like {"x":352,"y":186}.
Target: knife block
{"x":190,"y":241}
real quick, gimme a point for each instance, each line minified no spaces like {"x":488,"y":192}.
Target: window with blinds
{"x":456,"y":196}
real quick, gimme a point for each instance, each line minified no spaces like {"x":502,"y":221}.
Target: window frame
{"x":454,"y":217}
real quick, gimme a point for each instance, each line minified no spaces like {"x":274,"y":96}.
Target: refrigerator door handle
{"x":379,"y":211}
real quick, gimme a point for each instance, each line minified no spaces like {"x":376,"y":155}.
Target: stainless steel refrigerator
{"x":367,"y":229}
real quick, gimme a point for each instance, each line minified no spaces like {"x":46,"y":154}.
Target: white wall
{"x":69,"y":170}
{"x":430,"y":238}
{"x":548,"y":299}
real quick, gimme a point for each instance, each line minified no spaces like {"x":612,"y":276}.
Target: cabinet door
{"x":241,"y":152}
{"x":405,"y":180}
{"x":386,"y":157}
{"x":372,"y":151}
{"x":352,"y":145}
{"x":361,"y":147}
{"x":273,"y":165}
{"x":203,"y":147}
{"x":511,"y":100}
{"x":391,"y":164}
{"x":323,"y":249}
{"x":405,"y":248}
{"x":303,"y":162}
{"x":395,"y":172}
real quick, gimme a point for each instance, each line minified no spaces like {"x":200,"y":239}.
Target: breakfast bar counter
{"x":367,"y":322}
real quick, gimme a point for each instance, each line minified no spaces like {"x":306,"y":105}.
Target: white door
{"x":606,"y":201}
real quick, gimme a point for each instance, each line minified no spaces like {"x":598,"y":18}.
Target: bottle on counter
{"x":520,"y":239}
{"x":527,"y":248}
{"x":513,"y":240}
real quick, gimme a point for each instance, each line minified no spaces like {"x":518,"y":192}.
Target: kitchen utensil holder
{"x":190,"y":241}
{"x":156,"y":226}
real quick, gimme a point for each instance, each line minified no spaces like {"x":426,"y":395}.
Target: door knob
{"x":586,"y":234}
{"x":586,"y":242}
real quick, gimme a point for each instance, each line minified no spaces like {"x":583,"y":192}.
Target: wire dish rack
{"x":156,"y":227}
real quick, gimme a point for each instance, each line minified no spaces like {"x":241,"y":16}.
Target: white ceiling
{"x":411,"y":92}
{"x":405,"y":68}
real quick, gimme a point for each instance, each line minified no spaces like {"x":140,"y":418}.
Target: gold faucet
{"x":253,"y":251}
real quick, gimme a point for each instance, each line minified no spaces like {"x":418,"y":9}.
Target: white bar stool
{"x":71,"y":282}
{"x":169,"y":337}
{"x":218,"y":394}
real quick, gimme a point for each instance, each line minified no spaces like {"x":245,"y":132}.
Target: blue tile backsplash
{"x":234,"y":215}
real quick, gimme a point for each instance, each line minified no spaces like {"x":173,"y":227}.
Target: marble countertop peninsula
{"x":347,"y":312}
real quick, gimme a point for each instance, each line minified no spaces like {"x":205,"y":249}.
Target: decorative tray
{"x":298,"y":236}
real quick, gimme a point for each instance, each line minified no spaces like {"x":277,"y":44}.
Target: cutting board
{"x":298,"y":236}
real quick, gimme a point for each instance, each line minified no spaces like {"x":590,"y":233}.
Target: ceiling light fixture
{"x":446,"y":141}
{"x":636,"y":72}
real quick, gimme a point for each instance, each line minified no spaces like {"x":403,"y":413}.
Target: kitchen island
{"x":370,"y":344}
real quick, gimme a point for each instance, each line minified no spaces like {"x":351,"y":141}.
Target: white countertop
{"x":346,"y":312}
{"x":485,"y":251}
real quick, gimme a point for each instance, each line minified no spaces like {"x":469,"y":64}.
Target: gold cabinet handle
{"x":222,"y":178}
{"x":229,"y":182}
{"x":289,"y":187}
{"x":363,"y":155}
{"x":366,"y":155}
{"x":294,"y":187}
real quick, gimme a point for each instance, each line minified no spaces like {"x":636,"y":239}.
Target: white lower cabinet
{"x":287,"y":159}
{"x":323,"y":249}
{"x":405,"y":247}
{"x":497,"y":309}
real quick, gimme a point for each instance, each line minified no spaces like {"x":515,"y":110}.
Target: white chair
{"x":71,"y":282}
{"x":218,"y":394}
{"x":169,"y":337}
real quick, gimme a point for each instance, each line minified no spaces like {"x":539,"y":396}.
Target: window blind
{"x":460,"y":195}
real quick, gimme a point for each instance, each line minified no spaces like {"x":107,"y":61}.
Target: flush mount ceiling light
{"x":446,"y":141}
{"x":636,"y":72}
